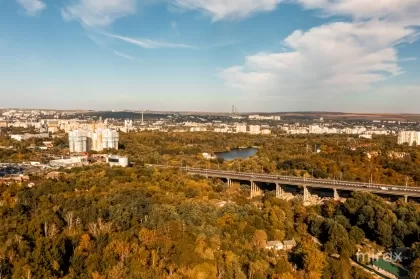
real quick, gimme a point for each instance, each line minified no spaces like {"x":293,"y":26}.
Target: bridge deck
{"x":309,"y":182}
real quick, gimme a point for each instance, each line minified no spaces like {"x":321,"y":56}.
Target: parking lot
{"x":11,"y":169}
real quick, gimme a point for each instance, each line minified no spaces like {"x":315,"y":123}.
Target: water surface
{"x":237,"y":153}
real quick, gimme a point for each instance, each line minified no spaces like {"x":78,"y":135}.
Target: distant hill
{"x":122,"y":115}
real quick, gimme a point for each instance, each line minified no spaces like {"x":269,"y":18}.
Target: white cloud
{"x":336,"y":57}
{"x":401,"y":11}
{"x":32,"y":7}
{"x":98,"y":12}
{"x":146,"y":43}
{"x":123,"y":55}
{"x":331,"y":58}
{"x":228,"y":9}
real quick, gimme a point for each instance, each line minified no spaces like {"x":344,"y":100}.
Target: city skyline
{"x":194,"y":55}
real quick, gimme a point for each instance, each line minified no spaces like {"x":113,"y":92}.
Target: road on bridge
{"x":302,"y":181}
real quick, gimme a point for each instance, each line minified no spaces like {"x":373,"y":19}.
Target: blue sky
{"x":205,"y":55}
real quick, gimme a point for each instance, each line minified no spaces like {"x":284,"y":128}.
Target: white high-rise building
{"x":255,"y":129}
{"x":83,"y":140}
{"x":241,"y":128}
{"x":409,"y":137}
{"x":128,"y":124}
{"x":110,"y":139}
{"x":96,"y":141}
{"x":78,"y":141}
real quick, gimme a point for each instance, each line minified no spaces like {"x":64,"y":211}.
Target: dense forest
{"x":100,"y":222}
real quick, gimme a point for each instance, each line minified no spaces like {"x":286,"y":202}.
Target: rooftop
{"x":289,"y":242}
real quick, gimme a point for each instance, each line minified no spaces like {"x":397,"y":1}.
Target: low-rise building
{"x":71,"y":162}
{"x":254,"y":129}
{"x":265,"y":132}
{"x":29,"y":136}
{"x":222,"y":130}
{"x":398,"y":155}
{"x":297,"y":132}
{"x":17,"y":137}
{"x":241,"y":128}
{"x":198,"y":129}
{"x":117,"y":161}
{"x":259,"y":117}
{"x":365,"y":136}
{"x":208,"y":156}
{"x":289,"y":244}
{"x":274,"y":245}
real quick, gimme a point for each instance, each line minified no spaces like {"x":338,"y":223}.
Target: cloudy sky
{"x":261,"y":55}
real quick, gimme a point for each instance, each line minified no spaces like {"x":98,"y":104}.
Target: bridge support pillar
{"x":229,"y":182}
{"x":255,"y":190}
{"x":336,"y":196}
{"x":306,"y":193}
{"x":406,"y":198}
{"x":279,"y":191}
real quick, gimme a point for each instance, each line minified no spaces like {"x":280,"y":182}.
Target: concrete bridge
{"x":306,"y":183}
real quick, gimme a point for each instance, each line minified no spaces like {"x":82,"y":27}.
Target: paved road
{"x":309,"y":182}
